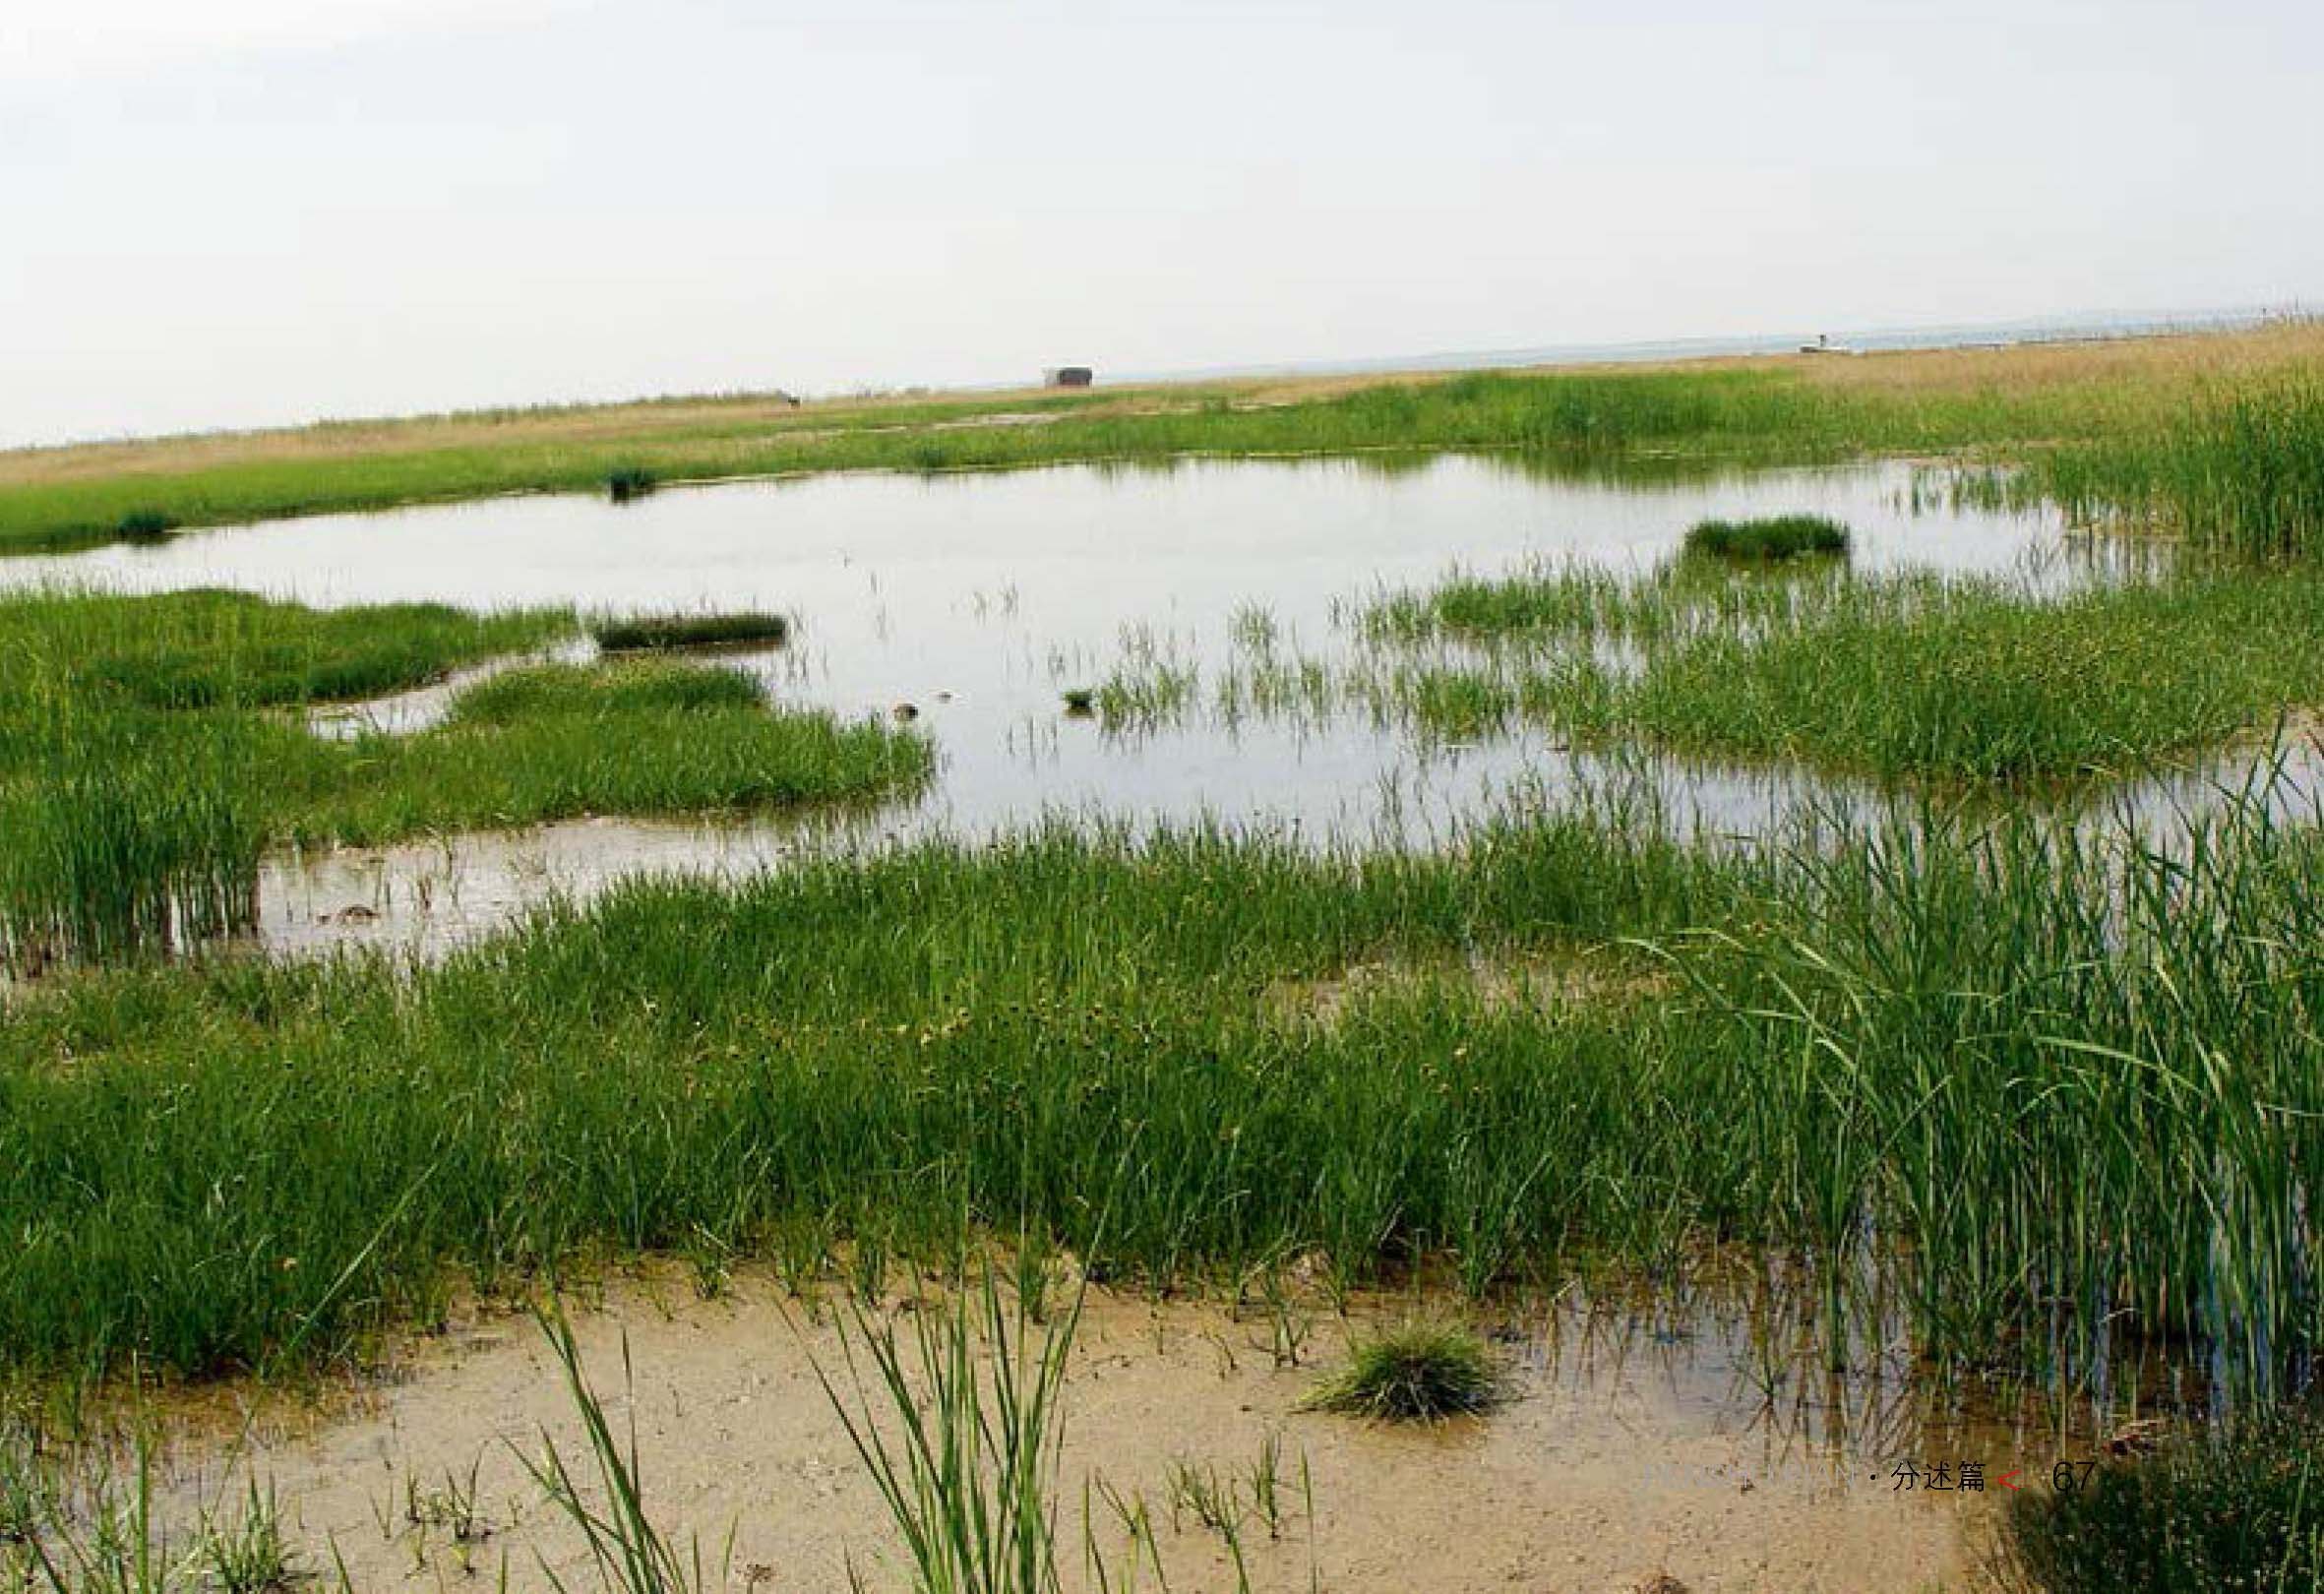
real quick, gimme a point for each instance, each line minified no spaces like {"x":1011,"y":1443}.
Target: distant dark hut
{"x":1068,"y":376}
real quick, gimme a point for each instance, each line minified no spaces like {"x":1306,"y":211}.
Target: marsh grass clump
{"x":1417,"y":1372}
{"x":121,"y":835}
{"x":1905,"y":677}
{"x":210,"y":648}
{"x":1768,"y":540}
{"x":144,"y":526}
{"x":960,"y":1424}
{"x":2210,"y":1513}
{"x":657,"y":632}
{"x":624,"y":483}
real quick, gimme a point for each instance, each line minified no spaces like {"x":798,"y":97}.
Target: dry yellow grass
{"x":752,"y":415}
{"x":2176,"y":360}
{"x":2171,"y":360}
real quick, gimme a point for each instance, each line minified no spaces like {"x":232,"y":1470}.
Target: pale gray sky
{"x":250,"y":211}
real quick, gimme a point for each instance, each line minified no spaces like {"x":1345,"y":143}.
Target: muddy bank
{"x":1631,"y":1450}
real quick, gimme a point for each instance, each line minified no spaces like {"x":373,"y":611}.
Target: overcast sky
{"x":236,"y":211}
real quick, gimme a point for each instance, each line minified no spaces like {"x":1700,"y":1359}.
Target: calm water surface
{"x":979,"y":599}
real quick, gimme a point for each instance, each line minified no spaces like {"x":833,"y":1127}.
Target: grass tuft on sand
{"x":1415,"y":1372}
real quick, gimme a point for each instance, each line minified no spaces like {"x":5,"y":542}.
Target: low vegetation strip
{"x":1901,"y":677}
{"x":2013,"y":1047}
{"x":2008,"y":400}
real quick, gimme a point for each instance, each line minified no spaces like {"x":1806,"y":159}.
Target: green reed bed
{"x":559,"y":741}
{"x":119,"y":836}
{"x":654,"y":633}
{"x":146,"y":763}
{"x":1555,"y":605}
{"x":1901,"y":677}
{"x":2081,"y":1081}
{"x":2241,"y":471}
{"x":1978,"y":683}
{"x":1768,"y":540}
{"x":211,"y":648}
{"x":135,"y":776}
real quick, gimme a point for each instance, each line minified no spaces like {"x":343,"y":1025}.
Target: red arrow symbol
{"x":2004,"y":1482}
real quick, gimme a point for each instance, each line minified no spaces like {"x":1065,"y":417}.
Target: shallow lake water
{"x":979,"y":599}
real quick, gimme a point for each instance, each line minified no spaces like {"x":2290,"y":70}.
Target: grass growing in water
{"x":75,"y":1520}
{"x":647,"y":632}
{"x":1907,"y":677}
{"x":885,"y":1052}
{"x":2241,"y":471}
{"x":625,"y":482}
{"x":561,"y":740}
{"x":1418,"y":1373}
{"x":1770,"y":540}
{"x":143,"y":773}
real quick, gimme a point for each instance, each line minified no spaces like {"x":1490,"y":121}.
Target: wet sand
{"x":1624,"y":1455}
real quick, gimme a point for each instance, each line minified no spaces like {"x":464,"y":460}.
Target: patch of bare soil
{"x":1520,"y":979}
{"x":1619,"y":1462}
